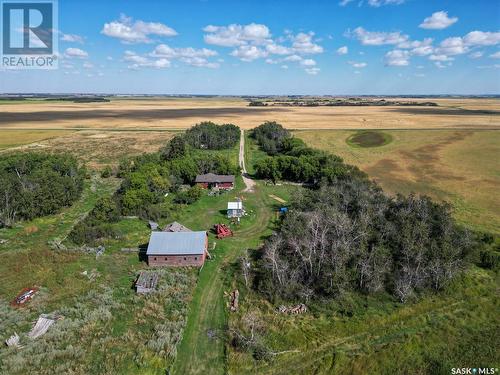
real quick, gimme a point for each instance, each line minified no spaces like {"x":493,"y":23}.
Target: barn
{"x":177,"y":249}
{"x":211,"y":180}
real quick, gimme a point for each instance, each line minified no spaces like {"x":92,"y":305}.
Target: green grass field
{"x":457,"y":166}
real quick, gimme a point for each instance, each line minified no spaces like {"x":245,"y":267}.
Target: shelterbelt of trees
{"x":290,"y":159}
{"x":210,"y":136}
{"x":37,"y":184}
{"x":149,"y":178}
{"x":346,"y":235}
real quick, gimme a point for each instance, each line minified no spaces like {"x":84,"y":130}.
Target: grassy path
{"x":198,"y":353}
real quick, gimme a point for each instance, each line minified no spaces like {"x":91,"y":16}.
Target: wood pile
{"x":13,"y":341}
{"x":297,"y":309}
{"x":235,"y":294}
{"x":42,"y":325}
{"x":147,"y":282}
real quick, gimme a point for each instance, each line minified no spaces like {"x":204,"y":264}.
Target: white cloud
{"x":73,"y":38}
{"x":378,"y":3}
{"x":88,"y":65}
{"x":163,"y":50}
{"x":440,"y":58}
{"x":476,"y":55}
{"x":452,"y":46}
{"x":373,"y":3}
{"x":249,"y":53}
{"x":303,"y":44}
{"x":284,"y":66}
{"x":308,"y":62}
{"x":143,"y":62}
{"x":130,"y":32}
{"x":342,"y":50}
{"x":482,"y":38}
{"x":293,"y":58}
{"x":75,"y":53}
{"x":438,"y":21}
{"x":312,"y":71}
{"x":272,"y":61}
{"x":357,"y":64}
{"x":378,"y":38}
{"x":496,"y":55}
{"x":200,"y":62}
{"x":397,"y":57}
{"x":277,"y":49}
{"x":236,"y":35}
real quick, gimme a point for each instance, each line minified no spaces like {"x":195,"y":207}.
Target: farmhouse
{"x":177,"y":248}
{"x":211,"y":180}
{"x":235,"y":209}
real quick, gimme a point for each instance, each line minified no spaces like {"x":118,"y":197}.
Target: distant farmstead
{"x":177,"y":248}
{"x":211,"y":180}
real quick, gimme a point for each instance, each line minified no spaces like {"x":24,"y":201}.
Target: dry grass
{"x":99,"y":148}
{"x":14,"y":138}
{"x":459,"y":166}
{"x":162,"y":113}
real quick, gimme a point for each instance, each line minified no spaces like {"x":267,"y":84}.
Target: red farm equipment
{"x":222,"y":231}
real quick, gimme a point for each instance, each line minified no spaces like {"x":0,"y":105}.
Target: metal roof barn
{"x":175,"y":243}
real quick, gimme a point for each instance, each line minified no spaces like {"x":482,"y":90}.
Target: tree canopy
{"x":210,"y":136}
{"x":37,"y":184}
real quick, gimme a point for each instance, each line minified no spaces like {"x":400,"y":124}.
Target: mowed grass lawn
{"x":457,"y":166}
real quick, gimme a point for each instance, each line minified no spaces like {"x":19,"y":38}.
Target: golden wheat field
{"x":181,"y":113}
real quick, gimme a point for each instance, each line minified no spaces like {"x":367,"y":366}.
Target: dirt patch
{"x":275,"y":197}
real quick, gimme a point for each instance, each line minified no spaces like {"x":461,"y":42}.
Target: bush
{"x":189,"y":196}
{"x":106,"y":172}
{"x":208,"y":135}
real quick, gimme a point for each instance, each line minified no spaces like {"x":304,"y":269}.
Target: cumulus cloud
{"x":377,"y":38}
{"x":75,"y":53}
{"x":397,"y":57}
{"x":440,"y":58}
{"x":438,"y":21}
{"x":482,"y":38}
{"x":130,"y":32}
{"x":236,"y":35}
{"x":72,"y":38}
{"x":277,"y":49}
{"x":138,"y":61}
{"x":308,"y":62}
{"x":303,"y":44}
{"x":163,"y":50}
{"x":342,"y":50}
{"x":249,"y":53}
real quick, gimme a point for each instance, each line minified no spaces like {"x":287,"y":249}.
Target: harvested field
{"x":181,"y":113}
{"x":458,"y":166}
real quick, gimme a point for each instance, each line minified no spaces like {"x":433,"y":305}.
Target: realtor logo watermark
{"x":28,"y":34}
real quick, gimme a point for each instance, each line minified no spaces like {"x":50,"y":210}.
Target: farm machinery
{"x":222,"y":231}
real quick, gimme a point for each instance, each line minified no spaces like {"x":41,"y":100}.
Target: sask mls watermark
{"x":28,"y":34}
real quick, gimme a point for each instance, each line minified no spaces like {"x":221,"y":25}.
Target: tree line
{"x":210,"y":136}
{"x":291,"y":159}
{"x":37,"y":184}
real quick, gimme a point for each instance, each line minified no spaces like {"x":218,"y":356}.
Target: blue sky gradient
{"x":342,"y":47}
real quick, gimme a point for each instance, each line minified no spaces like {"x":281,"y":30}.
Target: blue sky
{"x":272,"y":47}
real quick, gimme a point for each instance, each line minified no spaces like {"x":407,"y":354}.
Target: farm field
{"x":181,"y":113}
{"x":457,"y":166}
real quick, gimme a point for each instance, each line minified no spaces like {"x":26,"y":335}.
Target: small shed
{"x":235,"y":209}
{"x":176,"y":227}
{"x":211,"y":180}
{"x":146,"y":282}
{"x":177,"y":248}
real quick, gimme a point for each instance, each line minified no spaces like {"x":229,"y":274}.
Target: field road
{"x":249,"y":183}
